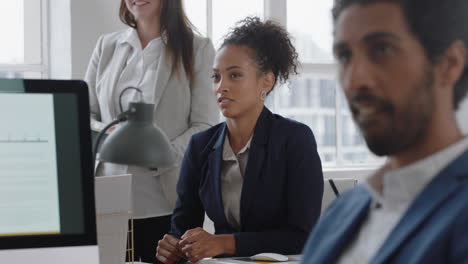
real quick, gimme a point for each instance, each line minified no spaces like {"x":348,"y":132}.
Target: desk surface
{"x":295,"y":260}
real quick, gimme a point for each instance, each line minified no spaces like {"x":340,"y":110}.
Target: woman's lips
{"x":224,"y":101}
{"x":140,"y":3}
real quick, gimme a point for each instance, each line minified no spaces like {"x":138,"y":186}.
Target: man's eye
{"x":235,"y":75}
{"x":383,"y":49}
{"x":343,"y":57}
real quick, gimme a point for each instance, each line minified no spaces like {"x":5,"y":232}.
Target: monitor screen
{"x":46,"y":176}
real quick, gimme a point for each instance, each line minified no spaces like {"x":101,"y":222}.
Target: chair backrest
{"x":333,"y":188}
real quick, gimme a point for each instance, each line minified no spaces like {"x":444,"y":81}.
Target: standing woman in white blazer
{"x":159,"y":54}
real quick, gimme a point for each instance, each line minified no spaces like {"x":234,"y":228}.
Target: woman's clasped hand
{"x":196,"y":244}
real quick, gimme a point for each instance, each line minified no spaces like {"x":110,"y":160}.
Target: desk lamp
{"x":138,"y":141}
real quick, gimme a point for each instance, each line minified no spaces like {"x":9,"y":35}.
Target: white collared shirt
{"x":232,"y":178}
{"x":139,"y":70}
{"x":400,"y":188}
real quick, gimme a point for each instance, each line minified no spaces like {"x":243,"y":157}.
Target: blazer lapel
{"x":163,"y":74}
{"x":117,"y":65}
{"x":331,"y":236}
{"x":254,"y":166}
{"x":426,"y":203}
{"x":214,"y":177}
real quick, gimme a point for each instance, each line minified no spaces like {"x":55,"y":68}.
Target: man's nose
{"x":359,"y":74}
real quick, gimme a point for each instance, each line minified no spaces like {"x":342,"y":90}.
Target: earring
{"x":263,"y":95}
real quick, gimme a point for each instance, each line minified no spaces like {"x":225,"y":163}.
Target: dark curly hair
{"x":435,"y":23}
{"x":271,"y":44}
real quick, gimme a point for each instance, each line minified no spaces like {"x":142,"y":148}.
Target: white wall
{"x":70,"y":50}
{"x":60,"y":62}
{"x":89,"y":20}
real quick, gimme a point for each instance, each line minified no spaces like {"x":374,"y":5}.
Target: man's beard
{"x":401,"y":128}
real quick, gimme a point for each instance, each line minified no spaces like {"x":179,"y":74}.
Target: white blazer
{"x":180,"y":110}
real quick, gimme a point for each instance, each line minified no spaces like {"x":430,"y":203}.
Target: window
{"x":310,"y":24}
{"x":22,"y":53}
{"x":313,"y":97}
{"x":213,"y":18}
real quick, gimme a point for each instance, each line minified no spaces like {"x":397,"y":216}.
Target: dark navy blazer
{"x":281,"y":194}
{"x":434,"y":229}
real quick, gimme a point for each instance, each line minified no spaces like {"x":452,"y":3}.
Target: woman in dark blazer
{"x":258,"y":175}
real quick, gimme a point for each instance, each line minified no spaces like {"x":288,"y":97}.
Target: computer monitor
{"x":47,"y":209}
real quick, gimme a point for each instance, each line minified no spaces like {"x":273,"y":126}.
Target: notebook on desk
{"x":293,"y":259}
{"x":249,"y":260}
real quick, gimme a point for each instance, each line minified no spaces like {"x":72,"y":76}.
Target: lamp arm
{"x":120,"y":118}
{"x":126,"y":89}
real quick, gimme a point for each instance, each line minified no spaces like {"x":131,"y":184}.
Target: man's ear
{"x":451,"y":65}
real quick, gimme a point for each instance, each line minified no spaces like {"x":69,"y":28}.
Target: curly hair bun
{"x":270,"y":43}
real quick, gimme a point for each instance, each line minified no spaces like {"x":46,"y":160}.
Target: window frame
{"x":43,"y":67}
{"x":277,"y":10}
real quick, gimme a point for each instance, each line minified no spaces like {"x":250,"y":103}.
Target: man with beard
{"x":402,"y":67}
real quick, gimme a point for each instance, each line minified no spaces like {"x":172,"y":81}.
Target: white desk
{"x":297,"y":259}
{"x":241,"y":260}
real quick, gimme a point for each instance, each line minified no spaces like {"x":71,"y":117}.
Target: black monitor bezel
{"x":80,"y":89}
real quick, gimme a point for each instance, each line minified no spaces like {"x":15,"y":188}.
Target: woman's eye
{"x":235,"y":75}
{"x":215,"y":77}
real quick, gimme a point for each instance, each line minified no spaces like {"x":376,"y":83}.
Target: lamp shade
{"x":138,"y":141}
